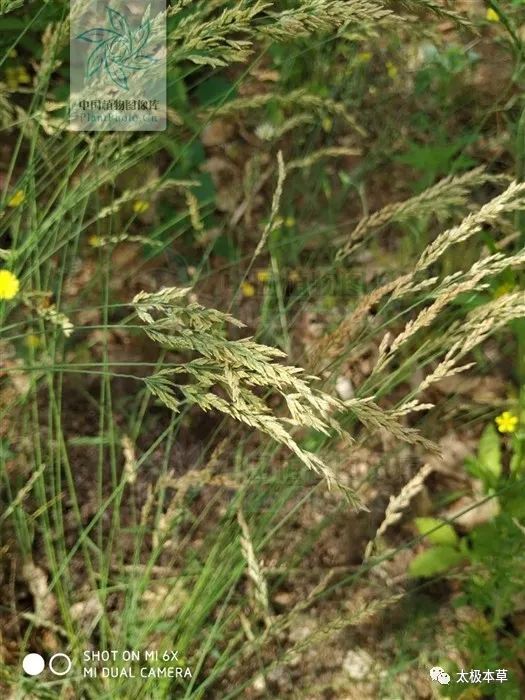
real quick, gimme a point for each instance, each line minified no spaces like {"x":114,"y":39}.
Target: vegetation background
{"x":262,"y":374}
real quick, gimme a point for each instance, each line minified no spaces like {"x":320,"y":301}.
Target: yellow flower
{"x":140,"y":206}
{"x":507,"y":422}
{"x":263,"y":276}
{"x":492,"y":15}
{"x":11,"y":78}
{"x":16,"y":199}
{"x":391,"y":70}
{"x":247,"y":289}
{"x":294,"y":276}
{"x":22,"y":75}
{"x":505,"y":288}
{"x":289,"y":222}
{"x":32,"y":341}
{"x":9,"y":285}
{"x":95,"y":241}
{"x":327,"y":124}
{"x":364,"y":57}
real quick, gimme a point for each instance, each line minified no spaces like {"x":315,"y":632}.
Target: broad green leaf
{"x":216,"y":90}
{"x":489,"y":451}
{"x":444,"y":534}
{"x":435,"y":560}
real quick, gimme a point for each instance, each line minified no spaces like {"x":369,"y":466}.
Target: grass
{"x":139,"y":516}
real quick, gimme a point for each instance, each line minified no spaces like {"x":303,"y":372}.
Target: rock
{"x":358,"y":663}
{"x":217,"y":133}
{"x":259,"y":685}
{"x":344,"y":388}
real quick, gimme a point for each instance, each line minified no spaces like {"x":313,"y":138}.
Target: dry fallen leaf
{"x":217,"y":132}
{"x":44,"y":601}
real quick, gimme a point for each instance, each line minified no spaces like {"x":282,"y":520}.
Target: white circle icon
{"x":33,"y":664}
{"x":65,"y":670}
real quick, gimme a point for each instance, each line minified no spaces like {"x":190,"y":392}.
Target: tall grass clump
{"x":175,"y":442}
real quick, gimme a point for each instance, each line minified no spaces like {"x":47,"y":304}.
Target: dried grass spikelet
{"x":438,"y":200}
{"x":300,"y":99}
{"x":398,"y":504}
{"x":193,"y":208}
{"x":217,"y":34}
{"x":511,"y":200}
{"x":153,"y":187}
{"x":9,"y":5}
{"x":54,"y":38}
{"x":130,"y":459}
{"x":479,"y":325}
{"x":376,"y":418}
{"x":57,"y":318}
{"x":321,"y":154}
{"x":276,"y":200}
{"x":22,"y":494}
{"x":254,"y":569}
{"x":437,"y":8}
{"x":217,"y":41}
{"x":322,"y":15}
{"x":237,"y":367}
{"x":361,"y":613}
{"x":333,"y":344}
{"x":104,"y":241}
{"x":463,"y":282}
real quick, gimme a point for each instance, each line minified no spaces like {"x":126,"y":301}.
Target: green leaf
{"x":435,"y":560}
{"x":489,"y":452}
{"x":444,"y":534}
{"x":215,"y":91}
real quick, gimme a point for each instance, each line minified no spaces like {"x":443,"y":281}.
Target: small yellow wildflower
{"x":327,"y":124}
{"x":294,"y":276}
{"x":507,"y":422}
{"x":492,"y":15}
{"x":263,"y":276}
{"x":11,"y":79}
{"x":140,"y":206}
{"x":16,"y":199}
{"x":17,"y":76}
{"x":247,"y":289}
{"x":505,"y":288}
{"x":329,"y":302}
{"x":32,"y":341}
{"x":9,"y":285}
{"x":364,"y":57}
{"x":95,"y":241}
{"x":289,"y":222}
{"x":391,"y":69}
{"x":23,"y":76}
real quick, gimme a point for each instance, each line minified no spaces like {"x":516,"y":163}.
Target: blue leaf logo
{"x":118,"y":51}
